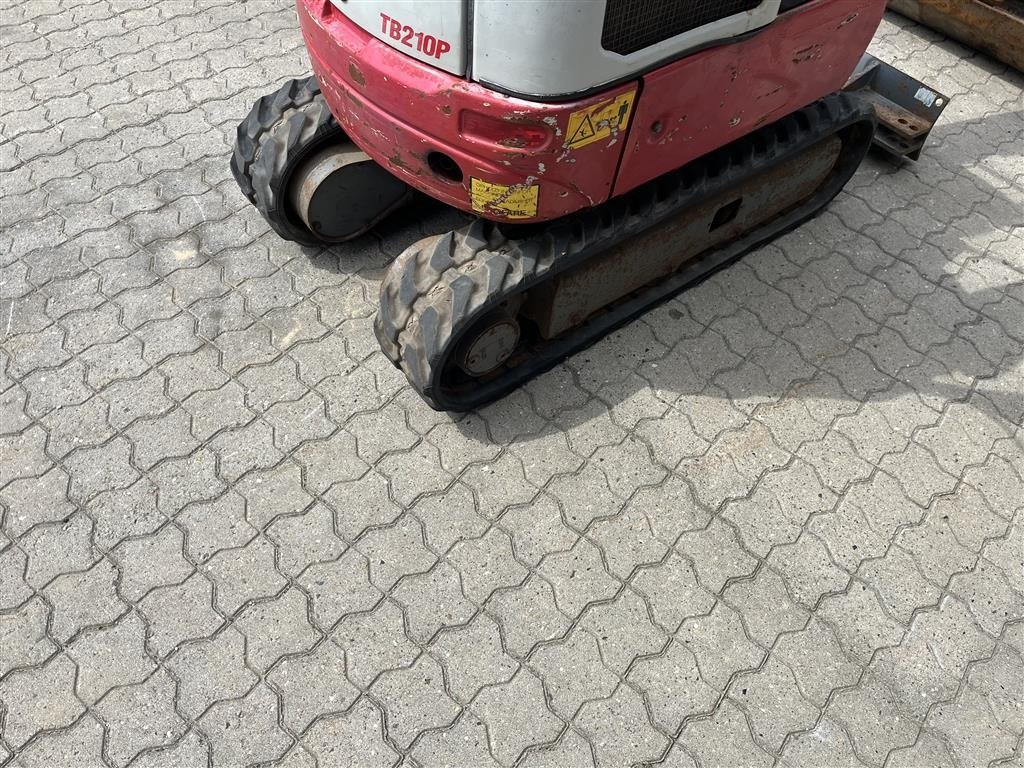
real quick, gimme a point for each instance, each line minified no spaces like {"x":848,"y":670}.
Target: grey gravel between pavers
{"x":777,"y":521}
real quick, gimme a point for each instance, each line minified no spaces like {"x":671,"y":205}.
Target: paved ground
{"x":780,"y":520}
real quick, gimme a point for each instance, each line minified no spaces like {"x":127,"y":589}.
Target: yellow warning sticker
{"x":517,"y":202}
{"x":599,"y":121}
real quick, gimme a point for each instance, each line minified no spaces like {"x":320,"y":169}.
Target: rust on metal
{"x":902,"y":121}
{"x":995,"y":27}
{"x":356,"y":75}
{"x":810,"y":53}
{"x":653,"y":256}
{"x":906,"y":108}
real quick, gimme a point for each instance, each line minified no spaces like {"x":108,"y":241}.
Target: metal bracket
{"x":907,"y":109}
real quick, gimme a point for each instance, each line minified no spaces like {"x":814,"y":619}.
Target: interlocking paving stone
{"x":778,"y":520}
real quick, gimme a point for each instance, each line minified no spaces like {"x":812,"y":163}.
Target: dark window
{"x":631,"y":25}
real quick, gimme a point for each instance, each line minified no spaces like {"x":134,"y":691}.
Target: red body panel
{"x":398,"y":110}
{"x":697,"y":104}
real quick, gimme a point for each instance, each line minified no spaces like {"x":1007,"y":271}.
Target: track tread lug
{"x":496,"y":267}
{"x":265,"y":150}
{"x":441,"y":254}
{"x":462,"y":289}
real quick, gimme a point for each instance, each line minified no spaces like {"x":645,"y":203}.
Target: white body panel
{"x":410,"y":25}
{"x":541,"y":48}
{"x":553,"y":47}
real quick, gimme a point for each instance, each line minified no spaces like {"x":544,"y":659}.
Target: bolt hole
{"x":657,"y":127}
{"x":445,"y":167}
{"x":726,"y":214}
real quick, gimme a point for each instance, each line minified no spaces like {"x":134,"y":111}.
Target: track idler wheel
{"x":489,"y":344}
{"x":308,"y":180}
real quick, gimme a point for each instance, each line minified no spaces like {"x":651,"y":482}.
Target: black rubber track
{"x":438,"y":288}
{"x":281,"y":130}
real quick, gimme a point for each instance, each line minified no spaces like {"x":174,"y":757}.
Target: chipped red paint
{"x":398,"y":110}
{"x":807,"y":53}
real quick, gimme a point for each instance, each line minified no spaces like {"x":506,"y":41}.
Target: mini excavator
{"x":611,"y":152}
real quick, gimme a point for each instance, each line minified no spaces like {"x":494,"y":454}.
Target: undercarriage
{"x":645,"y":196}
{"x":472,"y":314}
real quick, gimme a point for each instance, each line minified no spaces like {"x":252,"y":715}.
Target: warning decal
{"x":600,"y":121}
{"x":518,"y":202}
